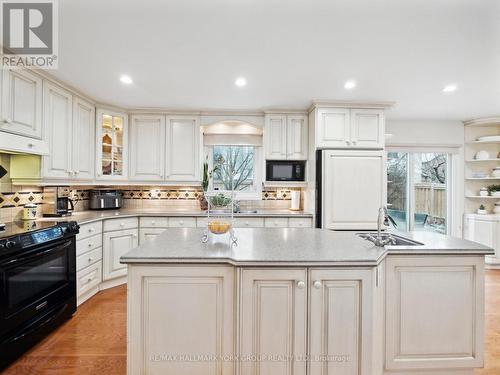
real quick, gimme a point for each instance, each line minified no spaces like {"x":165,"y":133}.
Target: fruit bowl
{"x":219,"y":227}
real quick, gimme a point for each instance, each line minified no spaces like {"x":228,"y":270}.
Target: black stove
{"x":37,"y":283}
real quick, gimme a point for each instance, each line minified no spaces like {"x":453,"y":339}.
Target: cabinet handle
{"x":31,"y":145}
{"x":247,"y":223}
{"x":153,"y":222}
{"x":7,"y":121}
{"x":317,"y":284}
{"x":90,"y":279}
{"x":348,"y":142}
{"x":91,"y":259}
{"x":354,"y":143}
{"x":90,"y":244}
{"x":122,"y":224}
{"x":91,"y":230}
{"x":134,"y":235}
{"x":301,"y":284}
{"x":181,"y":222}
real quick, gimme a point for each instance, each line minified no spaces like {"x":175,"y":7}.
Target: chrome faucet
{"x":383,"y":219}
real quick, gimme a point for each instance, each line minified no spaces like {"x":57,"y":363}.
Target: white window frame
{"x":410,"y":202}
{"x":256,"y":192}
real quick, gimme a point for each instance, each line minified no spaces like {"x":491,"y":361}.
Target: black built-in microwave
{"x":285,"y":170}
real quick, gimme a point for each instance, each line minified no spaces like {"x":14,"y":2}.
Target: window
{"x":417,"y":190}
{"x":236,"y":169}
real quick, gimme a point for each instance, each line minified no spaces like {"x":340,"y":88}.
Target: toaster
{"x":103,"y":199}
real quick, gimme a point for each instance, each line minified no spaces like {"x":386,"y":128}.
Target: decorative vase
{"x":483,"y":192}
{"x":203,"y":202}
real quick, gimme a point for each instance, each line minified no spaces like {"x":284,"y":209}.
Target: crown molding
{"x":350,"y":104}
{"x":484,"y":121}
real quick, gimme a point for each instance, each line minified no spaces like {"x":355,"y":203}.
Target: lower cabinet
{"x":185,"y":311}
{"x":115,"y":244}
{"x":340,"y":315}
{"x":273,"y":323}
{"x":146,"y":234}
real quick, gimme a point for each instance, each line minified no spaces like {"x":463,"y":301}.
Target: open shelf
{"x":479,"y":160}
{"x":483,"y":178}
{"x":481,"y":197}
{"x":482,"y":142}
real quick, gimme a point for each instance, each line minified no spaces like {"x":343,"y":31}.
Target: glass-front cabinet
{"x":112,"y":143}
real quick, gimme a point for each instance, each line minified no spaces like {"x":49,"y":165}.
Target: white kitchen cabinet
{"x":285,"y":137}
{"x":273,"y":320}
{"x":187,"y":310}
{"x":183,"y":154}
{"x":340,"y":321}
{"x":83,"y":143}
{"x":21,"y":103}
{"x":354,"y":188}
{"x":276,"y":222}
{"x":434,"y":313}
{"x":486,"y":231}
{"x":58,"y":120}
{"x":275,"y":137}
{"x":147,"y":147}
{"x":353,"y":128}
{"x":115,"y":244}
{"x":111,"y":145}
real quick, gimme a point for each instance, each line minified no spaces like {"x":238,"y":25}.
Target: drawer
{"x":119,"y":224}
{"x":182,"y":222}
{"x":300,"y":222}
{"x":249,"y":222}
{"x":278,"y":222}
{"x":89,"y":278}
{"x":201,"y":222}
{"x":146,"y":234}
{"x":88,"y":244}
{"x":90,"y":229}
{"x":153,"y":222}
{"x":89,"y":258}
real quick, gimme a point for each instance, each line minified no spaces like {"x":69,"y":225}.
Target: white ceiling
{"x":186,"y":54}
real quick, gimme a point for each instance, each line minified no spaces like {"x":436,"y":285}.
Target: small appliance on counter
{"x":57,"y":201}
{"x":102,"y":199}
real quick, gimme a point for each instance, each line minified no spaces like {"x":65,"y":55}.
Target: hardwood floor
{"x":94,"y":341}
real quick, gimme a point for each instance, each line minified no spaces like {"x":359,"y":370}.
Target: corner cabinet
{"x":362,"y":128}
{"x":111,"y":145}
{"x":115,"y":244}
{"x":285,"y":137}
{"x":21,"y":103}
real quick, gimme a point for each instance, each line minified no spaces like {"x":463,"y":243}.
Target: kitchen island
{"x":292,"y":300}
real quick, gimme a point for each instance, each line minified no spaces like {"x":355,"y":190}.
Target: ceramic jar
{"x":495,"y":172}
{"x":483,"y":192}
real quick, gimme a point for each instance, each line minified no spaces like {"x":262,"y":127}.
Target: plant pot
{"x":203,"y":202}
{"x":484,"y":192}
{"x":482,"y":212}
{"x":495,"y":193}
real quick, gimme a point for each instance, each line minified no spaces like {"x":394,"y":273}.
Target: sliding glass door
{"x":417,"y":190}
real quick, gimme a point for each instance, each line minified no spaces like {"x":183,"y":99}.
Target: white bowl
{"x":482,"y":155}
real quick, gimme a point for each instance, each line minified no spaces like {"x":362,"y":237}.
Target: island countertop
{"x":288,"y":246}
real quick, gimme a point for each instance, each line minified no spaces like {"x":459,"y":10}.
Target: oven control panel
{"x":40,"y":237}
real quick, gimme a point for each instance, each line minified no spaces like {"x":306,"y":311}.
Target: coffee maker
{"x":57,"y":201}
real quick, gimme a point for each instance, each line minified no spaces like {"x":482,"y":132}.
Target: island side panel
{"x":434,"y":312}
{"x":180,"y":310}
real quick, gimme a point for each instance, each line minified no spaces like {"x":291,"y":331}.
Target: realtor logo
{"x":29,"y":33}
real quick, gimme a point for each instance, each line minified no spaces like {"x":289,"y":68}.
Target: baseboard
{"x":112,"y":283}
{"x":85,"y":296}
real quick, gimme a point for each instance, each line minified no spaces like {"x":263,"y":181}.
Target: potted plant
{"x":207,"y":175}
{"x":494,"y":190}
{"x":482,"y":210}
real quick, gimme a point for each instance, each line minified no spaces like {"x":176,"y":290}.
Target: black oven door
{"x":36,"y":281}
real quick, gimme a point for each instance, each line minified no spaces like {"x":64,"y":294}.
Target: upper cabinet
{"x":165,"y":148}
{"x":147,"y":147}
{"x":21,"y":103}
{"x":285,"y":137}
{"x":69,"y":126}
{"x":356,"y":128}
{"x":183,"y":154}
{"x":111,"y":145}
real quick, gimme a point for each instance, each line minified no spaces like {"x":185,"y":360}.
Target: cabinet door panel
{"x":273,"y":321}
{"x":182,"y":148}
{"x":147,"y":148}
{"x":115,"y":244}
{"x":275,"y":135}
{"x":184,"y":311}
{"x":434,"y":312}
{"x":296,"y":148}
{"x":58,"y":120}
{"x":353,"y":189}
{"x":333,"y":128}
{"x":367,"y":128}
{"x":22,"y":103}
{"x":340,"y":321}
{"x":83,"y":139}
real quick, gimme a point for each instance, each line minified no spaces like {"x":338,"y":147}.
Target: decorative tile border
{"x":20,"y":198}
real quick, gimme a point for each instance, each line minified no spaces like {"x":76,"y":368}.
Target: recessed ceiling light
{"x":450,"y":88}
{"x":126,"y":79}
{"x":349,"y":85}
{"x":240,"y":81}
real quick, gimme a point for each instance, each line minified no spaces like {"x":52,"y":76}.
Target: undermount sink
{"x":216,"y":212}
{"x":397,"y":240}
{"x":246,"y":212}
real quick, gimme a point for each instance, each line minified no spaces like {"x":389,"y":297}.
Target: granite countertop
{"x":288,"y":246}
{"x":83,"y":217}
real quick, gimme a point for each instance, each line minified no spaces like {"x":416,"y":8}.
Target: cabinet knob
{"x":301,"y":284}
{"x":348,"y":142}
{"x":122,"y":224}
{"x":7,"y":121}
{"x":31,"y":145}
{"x":134,"y":235}
{"x":90,"y":244}
{"x":354,"y":142}
{"x":317,"y":284}
{"x":181,"y":222}
{"x":91,"y":230}
{"x":91,"y":259}
{"x":153,"y":222}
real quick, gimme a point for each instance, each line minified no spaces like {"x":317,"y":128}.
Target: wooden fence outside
{"x":429,"y":199}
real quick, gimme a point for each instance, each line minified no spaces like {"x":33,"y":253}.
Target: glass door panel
{"x":397,"y":188}
{"x":112,"y":143}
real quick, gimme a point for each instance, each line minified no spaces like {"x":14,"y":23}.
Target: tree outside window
{"x":235,"y":168}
